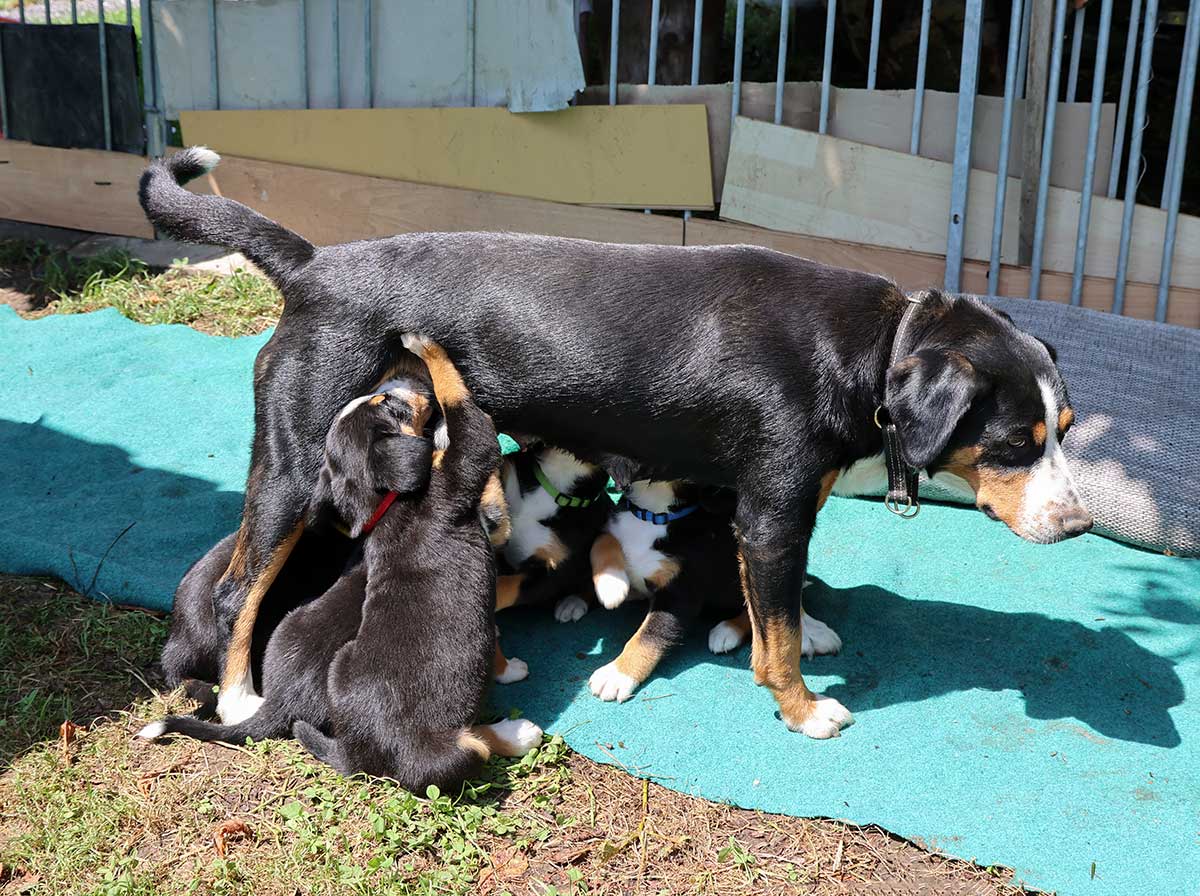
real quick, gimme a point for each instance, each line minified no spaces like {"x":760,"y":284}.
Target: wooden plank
{"x":329,"y":207}
{"x":632,"y":157}
{"x":1041,"y":26}
{"x":84,"y":189}
{"x":915,"y":270}
{"x":800,"y":182}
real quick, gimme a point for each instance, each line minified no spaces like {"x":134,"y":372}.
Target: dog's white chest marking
{"x":863,"y":477}
{"x":528,"y":512}
{"x":637,"y":537}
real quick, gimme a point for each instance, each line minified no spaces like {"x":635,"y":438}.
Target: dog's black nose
{"x":1076,"y":522}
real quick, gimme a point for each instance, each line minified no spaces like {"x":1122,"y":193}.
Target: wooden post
{"x":1040,"y":27}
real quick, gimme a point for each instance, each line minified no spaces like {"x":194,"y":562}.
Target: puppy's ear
{"x":927,"y":394}
{"x":343,"y":486}
{"x":1049,"y":349}
{"x":400,"y":463}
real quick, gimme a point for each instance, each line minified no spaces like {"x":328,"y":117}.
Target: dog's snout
{"x":1076,"y":521}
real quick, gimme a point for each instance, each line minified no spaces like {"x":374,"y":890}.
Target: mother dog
{"x":727,"y":366}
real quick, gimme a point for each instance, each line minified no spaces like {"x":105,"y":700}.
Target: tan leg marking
{"x":472,"y":741}
{"x":499,"y":662}
{"x":508,"y":589}
{"x":439,"y":458}
{"x":237,"y":661}
{"x":607,"y":555}
{"x":552,"y":553}
{"x":447,"y":383}
{"x":493,"y":738}
{"x":740,"y":623}
{"x":640,"y":655}
{"x":493,"y":499}
{"x":827,"y":482}
{"x":665,"y":574}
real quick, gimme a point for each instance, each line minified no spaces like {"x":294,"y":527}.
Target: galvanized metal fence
{"x":1027,"y":17}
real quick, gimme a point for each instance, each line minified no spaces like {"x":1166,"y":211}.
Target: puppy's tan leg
{"x":493,"y":508}
{"x":508,"y":589}
{"x":642,"y":653}
{"x":608,"y":571}
{"x":506,"y":670}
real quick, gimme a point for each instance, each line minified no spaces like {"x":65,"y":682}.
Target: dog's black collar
{"x":903,"y":480}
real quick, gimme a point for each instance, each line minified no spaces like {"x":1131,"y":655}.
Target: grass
{"x":89,"y":810}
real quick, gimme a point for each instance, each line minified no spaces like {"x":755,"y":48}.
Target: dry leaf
{"x":234,"y":829}
{"x":66,"y":737}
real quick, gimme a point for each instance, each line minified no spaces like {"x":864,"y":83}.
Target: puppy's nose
{"x":1076,"y":521}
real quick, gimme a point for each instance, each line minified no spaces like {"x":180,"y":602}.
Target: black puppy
{"x":729,"y":366}
{"x":406,"y":691}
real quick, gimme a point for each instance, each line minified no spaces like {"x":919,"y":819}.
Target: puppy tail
{"x":267,"y":722}
{"x":215,"y":220}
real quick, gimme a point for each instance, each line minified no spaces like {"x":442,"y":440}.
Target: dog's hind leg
{"x":510,"y":737}
{"x":773,"y":540}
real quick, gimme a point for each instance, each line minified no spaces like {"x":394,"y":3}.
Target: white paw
{"x":235,"y":708}
{"x":612,"y":588}
{"x":521,"y":735}
{"x":827,"y":719}
{"x":609,"y":683}
{"x":516,"y":670}
{"x":570,"y":609}
{"x":415,"y":342}
{"x":817,"y":639}
{"x":724,"y":637}
{"x":153,"y":730}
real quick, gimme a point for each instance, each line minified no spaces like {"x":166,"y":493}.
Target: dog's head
{"x":376,"y":445}
{"x":982,"y":404}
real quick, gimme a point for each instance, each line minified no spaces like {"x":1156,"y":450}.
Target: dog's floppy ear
{"x":343,"y":486}
{"x":400,"y":463}
{"x":927,"y":394}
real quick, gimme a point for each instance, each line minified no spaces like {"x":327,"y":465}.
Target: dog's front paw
{"x":515,"y":670}
{"x":724,"y":637}
{"x":817,"y":639}
{"x":570,"y":609}
{"x":518,"y":736}
{"x":417,"y":343}
{"x":610,"y":683}
{"x":612,"y":587}
{"x":826,"y":718}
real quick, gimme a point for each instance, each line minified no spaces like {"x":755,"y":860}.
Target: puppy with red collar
{"x":557,"y":505}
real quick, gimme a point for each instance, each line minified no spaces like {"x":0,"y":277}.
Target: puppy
{"x":557,"y":505}
{"x":405,"y":692}
{"x":672,"y":542}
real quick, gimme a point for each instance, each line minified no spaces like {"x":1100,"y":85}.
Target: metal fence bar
{"x":652,"y":62}
{"x":1010,"y":90}
{"x":128,"y":12}
{"x":368,"y":52}
{"x":914,"y":143}
{"x":471,"y":17}
{"x":214,"y":55}
{"x":74,"y":12}
{"x":1089,"y":165}
{"x":781,"y":67}
{"x":1023,"y":51}
{"x":968,"y":80}
{"x":696,"y":35}
{"x":337,"y":53}
{"x":1114,"y":170}
{"x":827,"y":67}
{"x":3,"y":97}
{"x":106,"y":111}
{"x":47,"y":5}
{"x":873,"y":59}
{"x":1039,"y":221}
{"x":154,"y":141}
{"x":21,"y":10}
{"x":1149,"y":25}
{"x":1188,"y":80}
{"x":304,"y":52}
{"x":1076,"y":53}
{"x":739,"y":44}
{"x":1179,"y":121}
{"x":612,"y":52}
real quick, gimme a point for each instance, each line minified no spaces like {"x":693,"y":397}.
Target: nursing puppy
{"x":557,"y":505}
{"x":406,"y":691}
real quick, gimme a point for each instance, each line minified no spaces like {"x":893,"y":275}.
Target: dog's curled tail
{"x":263,"y":724}
{"x":441,"y":761}
{"x":215,"y":220}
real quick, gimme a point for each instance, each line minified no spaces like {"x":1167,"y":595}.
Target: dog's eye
{"x":1017,"y":441}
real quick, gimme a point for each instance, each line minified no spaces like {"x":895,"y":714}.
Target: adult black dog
{"x":729,"y":366}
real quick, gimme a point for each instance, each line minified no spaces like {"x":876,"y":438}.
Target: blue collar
{"x":659,"y":519}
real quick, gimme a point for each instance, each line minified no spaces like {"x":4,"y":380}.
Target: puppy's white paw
{"x":416,"y":342}
{"x":827,"y":719}
{"x":570,"y":609}
{"x":724,"y":637}
{"x":516,"y":670}
{"x":235,"y":708}
{"x":153,"y":730}
{"x":818,"y":639}
{"x":519,"y":736}
{"x":612,"y":588}
{"x":610,"y":683}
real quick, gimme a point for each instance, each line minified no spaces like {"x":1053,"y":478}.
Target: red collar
{"x":379,"y":512}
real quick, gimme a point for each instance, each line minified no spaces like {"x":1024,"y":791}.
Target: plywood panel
{"x":634,"y":157}
{"x":915,"y":270}
{"x":801,"y":182}
{"x":330,"y":207}
{"x":85,"y":189}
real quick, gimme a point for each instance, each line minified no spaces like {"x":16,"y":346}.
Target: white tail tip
{"x":153,"y":730}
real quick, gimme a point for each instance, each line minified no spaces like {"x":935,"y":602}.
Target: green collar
{"x":560,"y":499}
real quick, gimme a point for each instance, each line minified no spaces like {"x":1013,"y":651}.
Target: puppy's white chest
{"x":526,"y":513}
{"x":637,"y":539}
